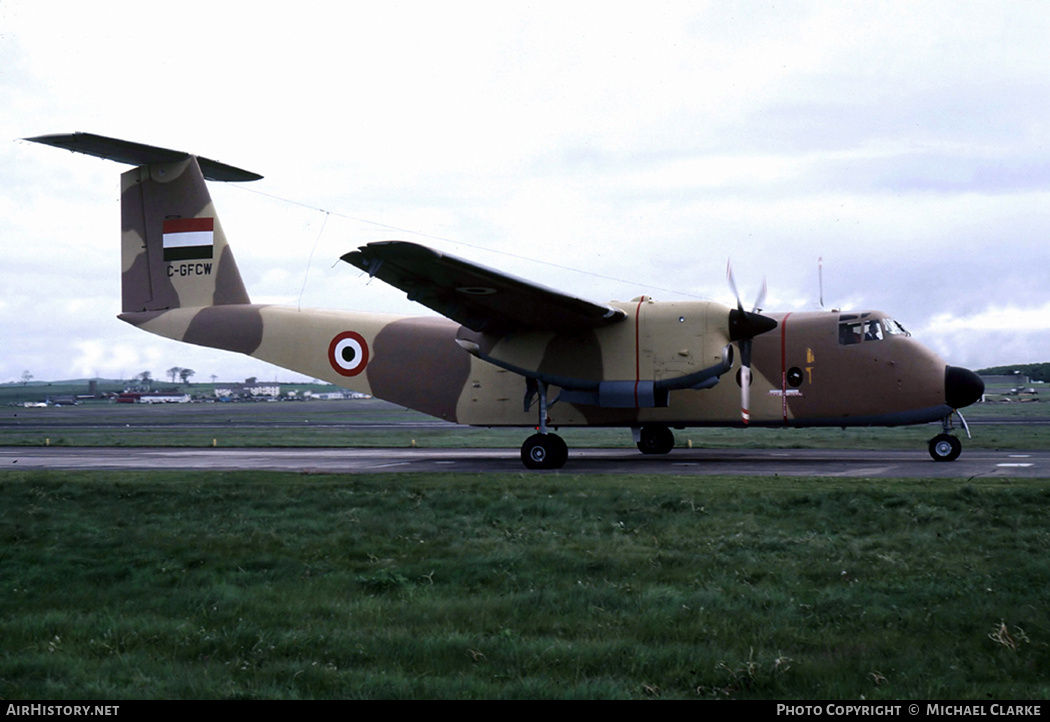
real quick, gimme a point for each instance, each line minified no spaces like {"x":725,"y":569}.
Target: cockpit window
{"x":851,"y":328}
{"x":850,"y":332}
{"x":893,"y":328}
{"x":861,"y":328}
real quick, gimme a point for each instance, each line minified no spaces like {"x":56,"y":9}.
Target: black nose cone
{"x":962,"y":387}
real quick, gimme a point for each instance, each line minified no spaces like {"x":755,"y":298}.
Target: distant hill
{"x":1035,"y":372}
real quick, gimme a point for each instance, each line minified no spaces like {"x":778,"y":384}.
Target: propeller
{"x":743,"y":327}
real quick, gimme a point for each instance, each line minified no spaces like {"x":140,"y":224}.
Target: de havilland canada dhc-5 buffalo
{"x":510,"y":352}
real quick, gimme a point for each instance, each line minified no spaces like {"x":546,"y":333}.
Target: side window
{"x":850,"y":332}
{"x":854,"y":328}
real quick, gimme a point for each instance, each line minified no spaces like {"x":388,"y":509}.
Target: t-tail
{"x":179,"y":280}
{"x":173,"y":250}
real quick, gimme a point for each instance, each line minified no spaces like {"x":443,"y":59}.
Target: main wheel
{"x":945,"y":447}
{"x":544,"y":451}
{"x":656,"y":440}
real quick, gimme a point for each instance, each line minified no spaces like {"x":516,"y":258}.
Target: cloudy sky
{"x":608,"y":149}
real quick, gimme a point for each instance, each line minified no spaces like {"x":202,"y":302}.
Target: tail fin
{"x":173,"y":250}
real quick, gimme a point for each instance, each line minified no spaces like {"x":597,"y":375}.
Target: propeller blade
{"x":743,"y":327}
{"x":745,"y":395}
{"x":761,"y":300}
{"x":745,"y":381}
{"x":732,"y":284}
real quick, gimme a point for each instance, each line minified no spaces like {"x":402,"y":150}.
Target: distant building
{"x":1009,"y":388}
{"x":234,"y":392}
{"x":138,"y":397}
{"x":1005,"y":380}
{"x":335,"y":395}
{"x":66,"y":400}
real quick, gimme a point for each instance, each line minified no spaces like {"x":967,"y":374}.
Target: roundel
{"x":348,"y":353}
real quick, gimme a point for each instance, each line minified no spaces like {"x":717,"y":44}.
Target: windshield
{"x":864,"y":328}
{"x":894,"y":328}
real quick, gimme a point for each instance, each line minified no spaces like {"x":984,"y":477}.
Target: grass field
{"x":254,"y":585}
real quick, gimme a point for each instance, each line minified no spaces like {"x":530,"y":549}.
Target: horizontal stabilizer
{"x":124,"y":151}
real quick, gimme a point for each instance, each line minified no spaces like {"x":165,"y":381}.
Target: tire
{"x":656,"y":440}
{"x":945,"y":447}
{"x":544,"y":451}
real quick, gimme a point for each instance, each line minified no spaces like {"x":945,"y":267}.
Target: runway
{"x":974,"y":463}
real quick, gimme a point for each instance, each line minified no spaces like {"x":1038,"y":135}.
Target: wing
{"x":480,"y":298}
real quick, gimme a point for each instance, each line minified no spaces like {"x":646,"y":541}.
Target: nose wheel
{"x":945,"y":447}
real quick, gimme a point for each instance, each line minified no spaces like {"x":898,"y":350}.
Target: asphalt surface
{"x":973,"y":464}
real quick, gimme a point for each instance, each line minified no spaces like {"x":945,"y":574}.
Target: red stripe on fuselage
{"x":637,"y":349}
{"x":783,"y":368}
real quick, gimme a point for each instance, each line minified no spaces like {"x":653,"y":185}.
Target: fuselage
{"x":813,"y":369}
{"x":806,"y":372}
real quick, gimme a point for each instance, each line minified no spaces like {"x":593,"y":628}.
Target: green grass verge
{"x":260,"y":585}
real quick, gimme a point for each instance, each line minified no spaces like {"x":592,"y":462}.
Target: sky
{"x":607,"y":149}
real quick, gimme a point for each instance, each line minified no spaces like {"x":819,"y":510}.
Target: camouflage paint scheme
{"x":634,"y":364}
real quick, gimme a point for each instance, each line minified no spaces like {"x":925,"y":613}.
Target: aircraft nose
{"x":962,"y":387}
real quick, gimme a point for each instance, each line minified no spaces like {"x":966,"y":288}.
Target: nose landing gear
{"x":945,"y":446}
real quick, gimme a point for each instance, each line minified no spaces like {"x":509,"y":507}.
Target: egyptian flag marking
{"x":188,"y":239}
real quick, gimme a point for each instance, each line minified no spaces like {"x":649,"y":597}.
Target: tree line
{"x":1035,"y":372}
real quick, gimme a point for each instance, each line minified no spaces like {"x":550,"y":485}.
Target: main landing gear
{"x":945,"y":446}
{"x":654,"y":439}
{"x":543,"y":450}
